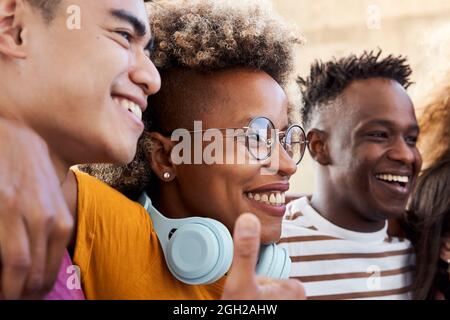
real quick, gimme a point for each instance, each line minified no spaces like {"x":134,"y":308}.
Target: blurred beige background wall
{"x":414,"y":28}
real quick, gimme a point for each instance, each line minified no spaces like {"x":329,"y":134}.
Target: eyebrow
{"x":139,"y":27}
{"x":389,"y":124}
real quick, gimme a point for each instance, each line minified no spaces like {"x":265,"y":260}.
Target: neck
{"x":166,"y":198}
{"x":336,"y":208}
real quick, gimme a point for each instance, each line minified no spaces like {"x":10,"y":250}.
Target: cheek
{"x":111,"y":70}
{"x":216,"y":191}
{"x":203,"y":187}
{"x":107,"y":62}
{"x":355,"y":175}
{"x":365,"y":160}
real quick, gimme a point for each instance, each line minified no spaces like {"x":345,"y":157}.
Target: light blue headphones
{"x":200,"y":250}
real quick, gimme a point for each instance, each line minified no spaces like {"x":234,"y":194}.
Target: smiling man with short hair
{"x":83,"y":92}
{"x":362,"y":136}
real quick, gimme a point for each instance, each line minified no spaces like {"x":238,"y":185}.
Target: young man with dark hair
{"x":83,"y":116}
{"x":362,"y":134}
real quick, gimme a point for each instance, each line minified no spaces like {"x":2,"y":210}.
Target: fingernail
{"x":247,"y":226}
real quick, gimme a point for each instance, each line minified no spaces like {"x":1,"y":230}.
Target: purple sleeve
{"x":68,"y":284}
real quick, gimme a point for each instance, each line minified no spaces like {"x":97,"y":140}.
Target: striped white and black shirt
{"x":334,"y":263}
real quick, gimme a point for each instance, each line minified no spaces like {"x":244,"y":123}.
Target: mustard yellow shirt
{"x":118,"y":252}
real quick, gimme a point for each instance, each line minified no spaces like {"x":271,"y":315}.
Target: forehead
{"x":378,"y":99}
{"x":101,"y":9}
{"x":250,"y":94}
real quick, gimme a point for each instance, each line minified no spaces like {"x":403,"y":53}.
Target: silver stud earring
{"x":166,"y":175}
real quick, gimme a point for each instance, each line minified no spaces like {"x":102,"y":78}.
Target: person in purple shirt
{"x":68,"y":283}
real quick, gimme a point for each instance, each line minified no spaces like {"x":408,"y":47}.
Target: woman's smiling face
{"x":224,"y":191}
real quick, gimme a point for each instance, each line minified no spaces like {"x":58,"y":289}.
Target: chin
{"x":126,"y":153}
{"x":392,"y":212}
{"x":270,"y":236}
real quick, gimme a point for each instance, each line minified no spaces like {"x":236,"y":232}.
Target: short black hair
{"x":328,"y":80}
{"x":47,"y":7}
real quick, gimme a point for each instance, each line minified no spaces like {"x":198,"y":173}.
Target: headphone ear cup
{"x":226,"y":248}
{"x":274,"y":262}
{"x":197,"y":253}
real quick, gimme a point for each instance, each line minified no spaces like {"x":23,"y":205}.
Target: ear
{"x":160,"y":157}
{"x":11,"y":31}
{"x":318,"y":146}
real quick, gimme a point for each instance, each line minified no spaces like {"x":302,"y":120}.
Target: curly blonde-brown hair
{"x":207,"y":36}
{"x":434,"y":123}
{"x":433,"y":95}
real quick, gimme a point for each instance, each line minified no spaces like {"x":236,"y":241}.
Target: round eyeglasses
{"x":261,"y":137}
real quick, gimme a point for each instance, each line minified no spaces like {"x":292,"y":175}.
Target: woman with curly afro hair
{"x":225,"y":65}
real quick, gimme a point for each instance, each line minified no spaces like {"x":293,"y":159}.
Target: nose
{"x":287,"y":167}
{"x":145,"y":75}
{"x":402,"y":152}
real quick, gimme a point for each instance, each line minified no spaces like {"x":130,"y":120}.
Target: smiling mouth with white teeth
{"x":394,"y":179}
{"x":275,"y":198}
{"x":129,"y":106}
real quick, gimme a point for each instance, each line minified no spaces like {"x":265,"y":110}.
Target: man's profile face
{"x":373,"y":148}
{"x":89,"y":82}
